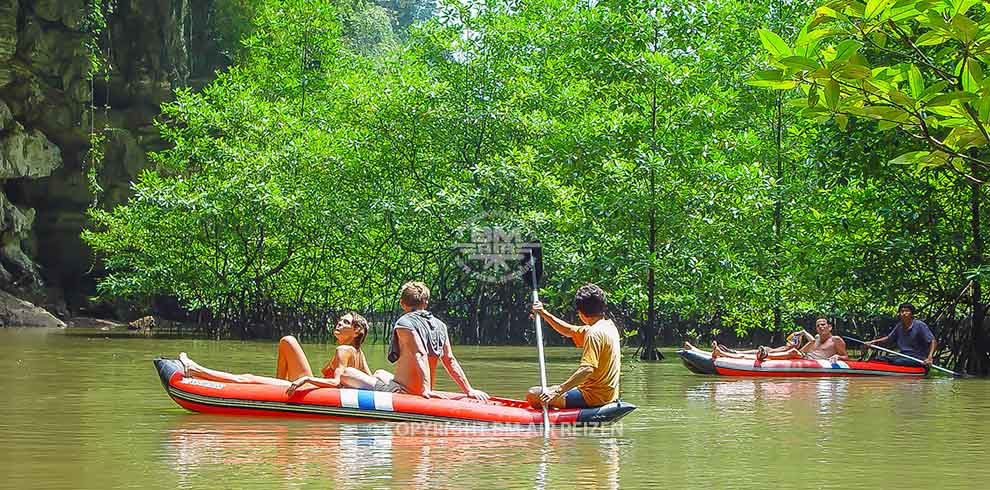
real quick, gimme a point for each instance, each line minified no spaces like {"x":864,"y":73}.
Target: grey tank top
{"x":432,"y":332}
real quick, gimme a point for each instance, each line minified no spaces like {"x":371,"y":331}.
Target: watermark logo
{"x":492,"y":252}
{"x":434,"y":430}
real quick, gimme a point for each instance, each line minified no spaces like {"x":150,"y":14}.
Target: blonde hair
{"x":415,"y":294}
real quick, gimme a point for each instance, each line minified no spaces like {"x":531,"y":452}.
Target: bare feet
{"x":688,"y":346}
{"x":190,"y":366}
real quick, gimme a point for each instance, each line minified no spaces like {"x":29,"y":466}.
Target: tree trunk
{"x":778,"y":211}
{"x":474,"y":331}
{"x":978,"y":359}
{"x":649,"y":352}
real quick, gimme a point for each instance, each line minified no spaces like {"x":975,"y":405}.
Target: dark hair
{"x":360,"y":324}
{"x":590,"y":300}
{"x":906,"y":306}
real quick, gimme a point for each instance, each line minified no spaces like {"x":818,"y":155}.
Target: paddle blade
{"x":531,"y":269}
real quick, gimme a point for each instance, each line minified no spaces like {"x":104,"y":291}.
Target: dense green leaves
{"x":635,"y":139}
{"x":928,"y":81}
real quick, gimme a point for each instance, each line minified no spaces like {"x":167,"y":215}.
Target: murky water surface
{"x":91,"y":413}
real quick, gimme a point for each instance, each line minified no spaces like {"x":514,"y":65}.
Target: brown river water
{"x":91,"y":413}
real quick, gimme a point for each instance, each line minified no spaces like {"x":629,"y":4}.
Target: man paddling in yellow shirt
{"x":596,"y":380}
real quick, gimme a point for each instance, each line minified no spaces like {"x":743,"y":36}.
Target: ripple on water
{"x":83,"y":413}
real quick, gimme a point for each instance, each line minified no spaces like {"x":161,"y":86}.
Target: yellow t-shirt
{"x":601,"y":352}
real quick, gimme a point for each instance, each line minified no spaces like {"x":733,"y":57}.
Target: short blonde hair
{"x":414,"y":293}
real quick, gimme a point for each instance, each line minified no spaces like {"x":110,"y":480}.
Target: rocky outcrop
{"x":15,"y":312}
{"x":26,"y":153}
{"x":48,"y":109}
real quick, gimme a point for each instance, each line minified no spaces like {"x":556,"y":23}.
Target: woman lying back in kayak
{"x":825,"y":346}
{"x":292,"y":368}
{"x":794,"y":341}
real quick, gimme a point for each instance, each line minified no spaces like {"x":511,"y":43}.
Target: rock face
{"x":15,"y":312}
{"x":48,"y":108}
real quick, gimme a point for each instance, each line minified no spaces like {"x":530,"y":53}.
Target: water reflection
{"x":742,"y":394}
{"x":91,"y":413}
{"x":387,"y":455}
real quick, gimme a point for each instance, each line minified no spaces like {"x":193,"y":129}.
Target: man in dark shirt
{"x":912,"y":336}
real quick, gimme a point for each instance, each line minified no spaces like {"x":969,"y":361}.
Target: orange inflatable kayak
{"x":701,"y":362}
{"x":206,"y":396}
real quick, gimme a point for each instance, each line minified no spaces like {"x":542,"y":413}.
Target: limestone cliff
{"x":49,"y":108}
{"x":45,"y":123}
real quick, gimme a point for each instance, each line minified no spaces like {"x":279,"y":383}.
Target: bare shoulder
{"x":346,"y":351}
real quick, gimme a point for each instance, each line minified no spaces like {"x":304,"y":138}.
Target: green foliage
{"x":913,"y":65}
{"x":231,"y":21}
{"x":631,"y":137}
{"x":95,"y":15}
{"x":95,"y":22}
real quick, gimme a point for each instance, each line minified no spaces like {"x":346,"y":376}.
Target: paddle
{"x":915,"y":359}
{"x":534,"y":250}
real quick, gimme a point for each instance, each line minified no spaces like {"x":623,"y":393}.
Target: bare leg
{"x":753,"y":352}
{"x":790,"y":353}
{"x":761,"y":354}
{"x":384,"y":375}
{"x":690,"y":346}
{"x":533,"y":398}
{"x":194,"y":370}
{"x":292,"y":363}
{"x":718,"y":351}
{"x":355,"y":378}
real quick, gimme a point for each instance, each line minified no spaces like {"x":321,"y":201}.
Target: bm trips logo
{"x":493,"y":252}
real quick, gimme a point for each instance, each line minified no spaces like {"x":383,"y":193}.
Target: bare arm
{"x":931,"y":352}
{"x":804,"y":335}
{"x":878,"y":341}
{"x":313,"y":380}
{"x":579,"y":375}
{"x":457,"y":374}
{"x":341,"y":357}
{"x":564,"y":328}
{"x":840,"y":350}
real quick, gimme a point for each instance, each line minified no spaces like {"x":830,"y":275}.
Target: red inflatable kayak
{"x":256,"y":399}
{"x":701,"y":362}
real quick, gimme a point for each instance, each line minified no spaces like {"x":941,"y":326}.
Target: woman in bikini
{"x":292,"y":368}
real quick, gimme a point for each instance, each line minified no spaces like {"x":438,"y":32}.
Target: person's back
{"x":596,"y":380}
{"x":419,"y":341}
{"x":602,"y":346}
{"x":431,"y":333}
